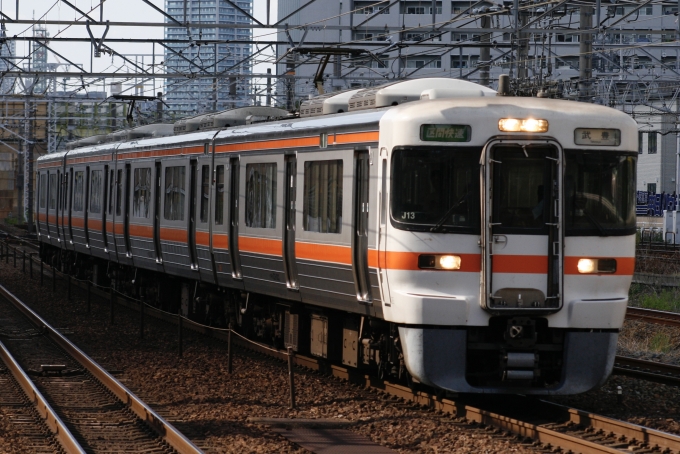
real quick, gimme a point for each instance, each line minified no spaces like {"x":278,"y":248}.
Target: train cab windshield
{"x":436,"y":189}
{"x":599,"y":192}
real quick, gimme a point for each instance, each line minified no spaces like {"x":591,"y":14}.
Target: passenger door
{"x":204,"y":196}
{"x":290,"y":189}
{"x":233,"y":197}
{"x":522,"y":259}
{"x":360,"y":227}
{"x":260,"y":215}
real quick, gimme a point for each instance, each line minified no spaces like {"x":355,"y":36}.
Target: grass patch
{"x":661,"y":342}
{"x":661,"y":299}
{"x":666,"y":300}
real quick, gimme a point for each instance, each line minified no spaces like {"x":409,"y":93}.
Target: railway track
{"x":566,"y":428}
{"x":23,"y":419}
{"x":85,"y":408}
{"x":549,"y":425}
{"x":653,"y":316}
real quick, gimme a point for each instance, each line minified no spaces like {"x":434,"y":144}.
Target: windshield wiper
{"x":595,"y":223}
{"x":448,"y":213}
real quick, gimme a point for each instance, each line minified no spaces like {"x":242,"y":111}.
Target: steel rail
{"x":63,"y":435}
{"x":667,"y":374}
{"x":546,"y":435}
{"x":165,"y":430}
{"x":431,"y":400}
{"x":653,"y":316}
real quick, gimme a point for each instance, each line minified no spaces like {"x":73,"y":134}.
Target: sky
{"x":115,"y":11}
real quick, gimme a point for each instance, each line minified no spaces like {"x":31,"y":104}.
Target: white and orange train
{"x":432,"y":228}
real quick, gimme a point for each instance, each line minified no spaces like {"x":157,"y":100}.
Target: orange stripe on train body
{"x":176,"y":235}
{"x":393,"y":260}
{"x":94,"y":224}
{"x":77,"y":222}
{"x":521,"y":264}
{"x":625,"y":266}
{"x":143,"y":231}
{"x":266,"y":246}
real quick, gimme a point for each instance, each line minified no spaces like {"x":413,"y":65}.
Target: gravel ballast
{"x":211,"y":407}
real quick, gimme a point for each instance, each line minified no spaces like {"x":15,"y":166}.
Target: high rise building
{"x":7,"y":52}
{"x":625,"y":55}
{"x":227,"y":61}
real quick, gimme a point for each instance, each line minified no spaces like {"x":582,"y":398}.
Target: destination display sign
{"x":445,"y":133}
{"x":597,"y":137}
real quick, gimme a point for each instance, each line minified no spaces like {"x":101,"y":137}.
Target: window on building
{"x":474,"y":37}
{"x":219,"y":195}
{"x":205,"y":192}
{"x":43,"y":190}
{"x":174,"y":193}
{"x":651,"y":188}
{"x":53,"y":191}
{"x":370,"y":7}
{"x":459,"y":7}
{"x":419,"y":36}
{"x":419,"y":7}
{"x":261,"y":195}
{"x":423,"y":62}
{"x":78,"y":191}
{"x":464,"y":61}
{"x":639,"y":142}
{"x":141,"y":196}
{"x":96,"y":191}
{"x":562,"y":38}
{"x":651,"y":143}
{"x":322,"y":207}
{"x":644,"y":11}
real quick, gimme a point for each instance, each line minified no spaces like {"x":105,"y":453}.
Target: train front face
{"x":508,"y":248}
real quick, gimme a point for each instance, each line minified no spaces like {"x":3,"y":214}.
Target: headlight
{"x":526,"y":125}
{"x":594,"y":266}
{"x":439,"y":262}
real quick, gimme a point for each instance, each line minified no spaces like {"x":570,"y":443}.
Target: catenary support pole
{"x":291,"y":377}
{"x":229,"y":363}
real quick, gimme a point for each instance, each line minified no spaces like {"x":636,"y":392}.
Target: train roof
{"x":288,"y":127}
{"x":401,"y":124}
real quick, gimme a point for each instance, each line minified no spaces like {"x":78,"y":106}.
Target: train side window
{"x":322,"y":206}
{"x":112,"y":183}
{"x":96,"y":192}
{"x":383,"y":193}
{"x":43,"y":190}
{"x":78,"y":191}
{"x":64,"y":192}
{"x":174,"y":193}
{"x":141,"y":198}
{"x":219,"y":195}
{"x":205,"y":191}
{"x":53,"y":191}
{"x":119,"y":192}
{"x":261,"y":195}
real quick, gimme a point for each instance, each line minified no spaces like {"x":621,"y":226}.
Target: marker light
{"x":586,"y":266}
{"x":526,"y":125}
{"x":439,"y":262}
{"x":593,"y":266}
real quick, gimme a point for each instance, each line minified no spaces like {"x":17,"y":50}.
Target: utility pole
{"x":290,"y":82}
{"x":269,"y":86}
{"x":485,"y":52}
{"x":585,"y":59}
{"x":29,"y":127}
